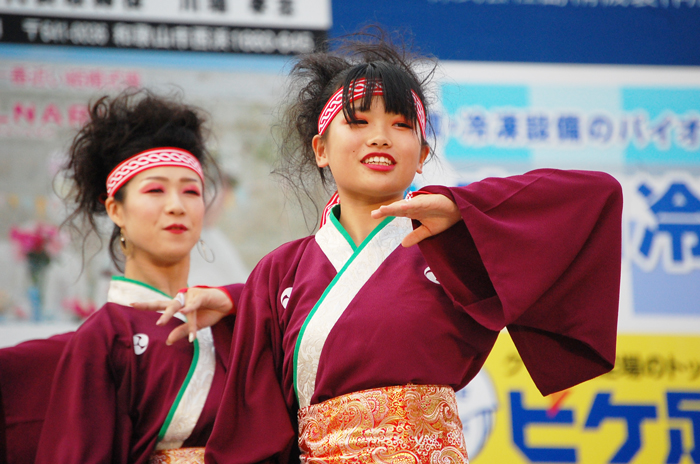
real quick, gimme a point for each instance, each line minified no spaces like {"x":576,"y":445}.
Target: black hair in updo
{"x":120,"y":127}
{"x":368,"y":54}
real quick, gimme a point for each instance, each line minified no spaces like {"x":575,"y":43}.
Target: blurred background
{"x":610,"y":85}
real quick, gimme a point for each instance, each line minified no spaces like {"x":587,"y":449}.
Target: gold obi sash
{"x":401,"y":424}
{"x":178,"y":456}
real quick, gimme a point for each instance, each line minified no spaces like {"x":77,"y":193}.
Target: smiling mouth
{"x":382,"y":160}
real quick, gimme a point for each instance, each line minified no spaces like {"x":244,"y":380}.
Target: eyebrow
{"x":163,"y":178}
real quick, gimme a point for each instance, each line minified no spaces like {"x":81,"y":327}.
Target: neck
{"x":356,"y":219}
{"x":168,"y":278}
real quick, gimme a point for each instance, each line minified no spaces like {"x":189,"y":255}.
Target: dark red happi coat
{"x":108,"y":403}
{"x":538,"y":254}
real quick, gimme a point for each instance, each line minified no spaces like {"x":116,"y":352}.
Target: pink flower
{"x":39,"y":239}
{"x":37,"y":245}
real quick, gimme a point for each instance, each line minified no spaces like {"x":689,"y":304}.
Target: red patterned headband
{"x":335,"y":104}
{"x":149,"y":159}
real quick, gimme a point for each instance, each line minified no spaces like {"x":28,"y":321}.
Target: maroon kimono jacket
{"x":109,"y":399}
{"x":538,"y":254}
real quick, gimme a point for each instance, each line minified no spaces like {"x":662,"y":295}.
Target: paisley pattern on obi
{"x":401,"y":424}
{"x":178,"y":456}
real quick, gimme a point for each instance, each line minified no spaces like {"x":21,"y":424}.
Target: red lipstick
{"x":379,"y":161}
{"x":176,"y":228}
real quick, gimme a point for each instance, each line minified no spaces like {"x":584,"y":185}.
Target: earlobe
{"x":424,"y":151}
{"x":319,"y":147}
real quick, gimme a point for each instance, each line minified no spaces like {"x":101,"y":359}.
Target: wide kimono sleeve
{"x":234,"y":293}
{"x":26,"y":373}
{"x":254,"y":422}
{"x":539,"y":254}
{"x":81,"y":421}
{"x":223,"y":330}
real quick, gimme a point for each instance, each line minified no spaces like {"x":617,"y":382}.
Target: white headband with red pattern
{"x":149,"y":159}
{"x":335,"y":104}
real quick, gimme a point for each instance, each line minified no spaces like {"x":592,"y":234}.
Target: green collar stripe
{"x":136,"y":282}
{"x":184,"y":386}
{"x":357,"y":251}
{"x":341,"y":229}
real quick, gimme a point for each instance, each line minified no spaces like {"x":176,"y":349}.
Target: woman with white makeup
{"x":120,"y":393}
{"x":349,"y":344}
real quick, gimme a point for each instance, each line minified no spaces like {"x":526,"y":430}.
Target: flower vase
{"x":38,"y":262}
{"x":36,"y":303}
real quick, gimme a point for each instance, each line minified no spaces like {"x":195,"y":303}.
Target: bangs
{"x":396,"y":86}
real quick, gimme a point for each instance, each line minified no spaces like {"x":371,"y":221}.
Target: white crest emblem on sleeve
{"x":430,"y":276}
{"x":286,"y":294}
{"x":140,"y":343}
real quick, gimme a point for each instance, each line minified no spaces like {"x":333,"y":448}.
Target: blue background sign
{"x":658,"y":32}
{"x":608,"y":126}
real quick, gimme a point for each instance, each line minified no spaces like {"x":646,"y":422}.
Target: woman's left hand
{"x":435,"y":212}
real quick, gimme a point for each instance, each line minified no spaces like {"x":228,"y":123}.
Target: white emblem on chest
{"x":284,"y":299}
{"x":430,"y":276}
{"x":140,"y":343}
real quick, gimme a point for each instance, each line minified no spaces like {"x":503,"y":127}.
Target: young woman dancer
{"x":350,"y":343}
{"x":119,"y":394}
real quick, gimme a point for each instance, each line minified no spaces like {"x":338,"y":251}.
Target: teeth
{"x":378,"y":160}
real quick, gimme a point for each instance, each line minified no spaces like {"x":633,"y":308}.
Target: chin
{"x":171,"y":257}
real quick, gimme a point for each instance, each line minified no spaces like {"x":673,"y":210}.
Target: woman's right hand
{"x":436,"y":213}
{"x":203,"y":307}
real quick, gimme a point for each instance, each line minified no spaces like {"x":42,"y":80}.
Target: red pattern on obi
{"x":408,"y":424}
{"x":178,"y":456}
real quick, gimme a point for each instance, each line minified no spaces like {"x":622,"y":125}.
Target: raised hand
{"x":203,"y":307}
{"x":435,"y":212}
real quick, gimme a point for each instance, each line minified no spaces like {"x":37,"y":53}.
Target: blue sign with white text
{"x":611,"y":127}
